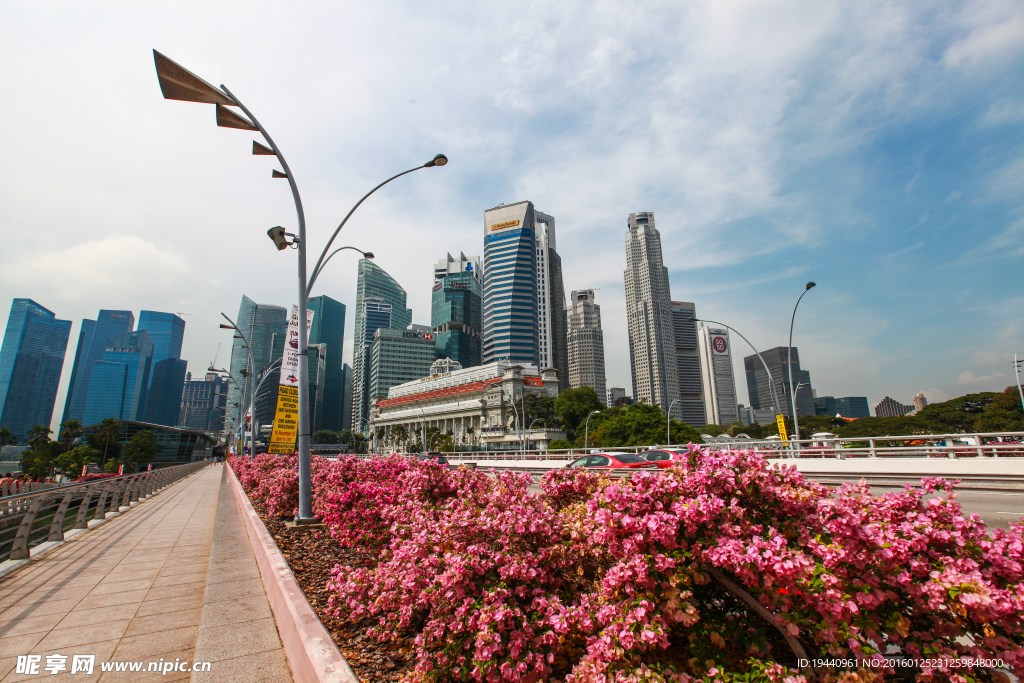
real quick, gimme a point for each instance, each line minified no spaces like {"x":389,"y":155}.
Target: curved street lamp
{"x":252,"y":394}
{"x":771,"y":383}
{"x":789,"y":362}
{"x":178,"y":83}
{"x":366,"y":254}
{"x":518,"y":421}
{"x":668,"y":422}
{"x":586,"y":431}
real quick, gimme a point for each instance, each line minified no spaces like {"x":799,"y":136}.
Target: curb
{"x":311,"y":652}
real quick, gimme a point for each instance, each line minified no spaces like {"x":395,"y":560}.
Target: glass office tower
{"x":375,"y":315}
{"x":456,"y":316}
{"x":329,"y":331}
{"x":118,"y":383}
{"x":259,"y":322}
{"x":31,"y":360}
{"x":510,"y":304}
{"x":167,"y":370}
{"x":92,"y":342}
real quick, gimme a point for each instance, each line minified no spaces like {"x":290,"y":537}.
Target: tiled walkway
{"x":173,"y":579}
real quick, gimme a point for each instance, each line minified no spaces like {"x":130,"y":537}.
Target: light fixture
{"x":438,"y":160}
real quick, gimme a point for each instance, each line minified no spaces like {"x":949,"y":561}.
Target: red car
{"x":613,"y":460}
{"x":664,"y":458}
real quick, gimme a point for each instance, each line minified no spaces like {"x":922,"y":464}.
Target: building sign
{"x":719,"y":344}
{"x":286,"y":421}
{"x":409,"y":334}
{"x":438,"y":286}
{"x":506,"y":224}
{"x":455,"y":285}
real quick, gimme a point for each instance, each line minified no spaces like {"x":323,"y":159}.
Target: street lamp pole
{"x":519,"y":426}
{"x":1016,"y":369}
{"x":177,"y":83}
{"x":789,"y":363}
{"x":668,"y":423}
{"x":586,"y":430}
{"x":252,"y":392}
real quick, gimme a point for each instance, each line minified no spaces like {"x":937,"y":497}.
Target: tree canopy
{"x":638,"y":424}
{"x":573,"y":406}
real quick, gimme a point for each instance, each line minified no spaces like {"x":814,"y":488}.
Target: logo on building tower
{"x":719,"y":344}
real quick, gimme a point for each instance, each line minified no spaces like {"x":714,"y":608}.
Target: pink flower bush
{"x":719,"y":568}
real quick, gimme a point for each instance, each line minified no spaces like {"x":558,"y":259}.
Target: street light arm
{"x":324,"y":265}
{"x":322,"y":261}
{"x":771,"y":383}
{"x":789,"y":363}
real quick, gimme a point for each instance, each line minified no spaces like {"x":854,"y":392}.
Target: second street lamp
{"x":178,"y":83}
{"x":789,"y":363}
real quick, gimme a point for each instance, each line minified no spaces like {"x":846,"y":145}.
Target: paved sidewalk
{"x":172,"y":579}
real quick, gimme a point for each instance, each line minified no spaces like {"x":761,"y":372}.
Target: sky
{"x":876,"y":148}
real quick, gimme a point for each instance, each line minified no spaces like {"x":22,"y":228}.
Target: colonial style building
{"x":474,"y":405}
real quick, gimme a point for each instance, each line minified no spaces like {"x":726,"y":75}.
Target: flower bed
{"x":720,"y":567}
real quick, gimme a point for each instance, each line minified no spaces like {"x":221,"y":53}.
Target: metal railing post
{"x":19,"y":550}
{"x":83,"y":509}
{"x":57,"y":525}
{"x":102,"y":502}
{"x":871,"y":446}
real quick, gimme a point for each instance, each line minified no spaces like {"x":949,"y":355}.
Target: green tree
{"x":7,"y":438}
{"x":69,"y":431}
{"x":561,"y":443}
{"x":324,"y":436}
{"x":141,"y":449}
{"x":539,"y":408}
{"x":344,"y":436}
{"x":573,"y":406}
{"x":956,"y":415}
{"x":38,"y":435}
{"x":636,"y":425}
{"x":108,"y":434}
{"x":1003,"y":414}
{"x":71,"y":462}
{"x":38,"y":462}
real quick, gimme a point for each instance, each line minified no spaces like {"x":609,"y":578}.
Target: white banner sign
{"x":290,"y":361}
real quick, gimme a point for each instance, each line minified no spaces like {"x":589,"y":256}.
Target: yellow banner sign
{"x":286,"y":421}
{"x":782,"y":429}
{"x":506,"y":224}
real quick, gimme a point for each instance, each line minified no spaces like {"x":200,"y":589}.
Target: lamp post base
{"x":309,"y":523}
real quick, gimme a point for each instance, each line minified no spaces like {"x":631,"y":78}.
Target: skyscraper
{"x":329,"y":330}
{"x":888,"y":407}
{"x":851,"y":406}
{"x":464,"y":264}
{"x":167,"y":370}
{"x":117,"y":387}
{"x":649,"y":314}
{"x":397,"y":357}
{"x":31,"y":359}
{"x":552,"y":323}
{"x":456,"y":313}
{"x":585,"y":343}
{"x":511,"y":317}
{"x":92,"y":342}
{"x":690,"y":407}
{"x":918,"y":401}
{"x":203,"y":403}
{"x":259,"y":322}
{"x":718,"y":379}
{"x":374,"y":282}
{"x":346,"y":397}
{"x":374,"y":314}
{"x":759,"y":389}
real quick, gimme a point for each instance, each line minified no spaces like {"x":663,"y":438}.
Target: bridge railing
{"x":979,"y":444}
{"x":30,"y":518}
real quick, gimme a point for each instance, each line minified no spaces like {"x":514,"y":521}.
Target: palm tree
{"x":38,"y":435}
{"x":108,"y":432}
{"x":69,"y":431}
{"x":7,"y":438}
{"x":399,"y":434}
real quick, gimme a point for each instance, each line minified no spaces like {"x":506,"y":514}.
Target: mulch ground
{"x":312,"y":554}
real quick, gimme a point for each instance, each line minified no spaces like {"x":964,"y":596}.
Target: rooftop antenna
{"x":213,"y":363}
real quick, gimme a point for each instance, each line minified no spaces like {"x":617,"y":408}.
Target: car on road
{"x":664,"y":457}
{"x":613,"y":461}
{"x":433,"y":457}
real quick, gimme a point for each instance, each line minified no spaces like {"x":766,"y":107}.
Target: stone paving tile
{"x":235,"y":611}
{"x":144,"y":675}
{"x":84,"y":617}
{"x":178,"y":591}
{"x":83,"y":635}
{"x":164,"y":622}
{"x":263,"y":667}
{"x":178,"y":579}
{"x":108,"y":599}
{"x":20,"y":627}
{"x":168,"y":605}
{"x":39,"y":608}
{"x":245,"y":638}
{"x":151,"y":646}
{"x":102,"y":650}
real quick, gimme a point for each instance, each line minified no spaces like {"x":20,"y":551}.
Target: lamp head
{"x":280,"y":240}
{"x":438,"y":160}
{"x":367,"y":254}
{"x":809,"y":285}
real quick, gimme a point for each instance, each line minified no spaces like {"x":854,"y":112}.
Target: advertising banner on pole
{"x":782,"y":429}
{"x":286,"y":417}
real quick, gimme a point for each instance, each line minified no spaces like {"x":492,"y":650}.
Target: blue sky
{"x":875,"y":148}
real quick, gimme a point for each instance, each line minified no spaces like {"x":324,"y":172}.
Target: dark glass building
{"x":511,"y":308}
{"x":329,"y":331}
{"x":260,"y":323}
{"x":375,"y":315}
{"x":203,"y":403}
{"x":852,"y":406}
{"x":690,"y":408}
{"x":167,"y":370}
{"x":175,"y":446}
{"x":92,"y":342}
{"x":399,"y":356}
{"x":758,"y":387}
{"x":456,"y":316}
{"x":117,"y":387}
{"x":31,"y":360}
{"x":346,"y":398}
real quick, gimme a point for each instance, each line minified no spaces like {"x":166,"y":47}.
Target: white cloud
{"x":988,"y":41}
{"x":994,"y":381}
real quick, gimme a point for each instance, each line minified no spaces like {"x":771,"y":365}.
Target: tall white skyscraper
{"x":451,"y":266}
{"x":652,"y":343}
{"x":717,"y":375}
{"x":586,"y":343}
